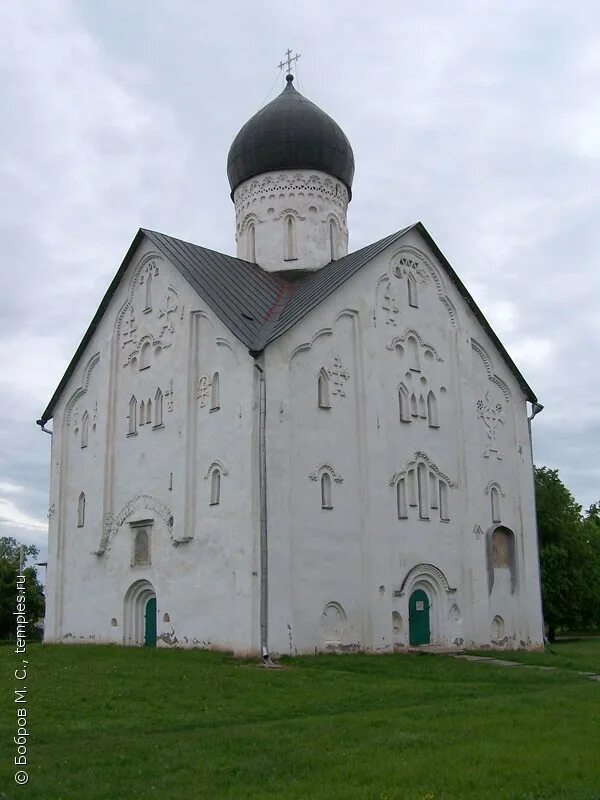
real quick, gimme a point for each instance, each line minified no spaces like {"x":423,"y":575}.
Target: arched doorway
{"x":425,"y":589}
{"x":139,"y":615}
{"x":419,"y":628}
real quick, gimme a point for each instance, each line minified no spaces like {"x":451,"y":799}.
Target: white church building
{"x":298,"y":449}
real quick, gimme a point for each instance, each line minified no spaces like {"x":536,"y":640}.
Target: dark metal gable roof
{"x":258,"y":306}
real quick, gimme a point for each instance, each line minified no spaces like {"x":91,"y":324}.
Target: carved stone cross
{"x":339,"y":375}
{"x":389,"y":304}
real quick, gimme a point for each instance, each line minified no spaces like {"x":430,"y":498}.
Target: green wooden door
{"x":150,"y":623}
{"x":418,"y":618}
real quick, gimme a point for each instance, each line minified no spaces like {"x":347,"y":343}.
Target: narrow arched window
{"x":413,"y":299}
{"x":433,"y":491}
{"x":132,"y":415}
{"x":149,"y":412}
{"x":158,"y":408}
{"x":423,"y":481}
{"x":289,"y":251}
{"x":432,"y":411}
{"x":411,"y":488}
{"x":142,"y":413}
{"x":412,"y":349}
{"x":215,"y":403}
{"x":148,"y":306}
{"x":444,"y":510}
{"x":326,"y":490}
{"x":215,"y":487}
{"x":495,"y":503}
{"x":251,"y":243}
{"x":85,"y":424}
{"x":414,"y":411}
{"x":422,"y":412}
{"x":401,"y":499}
{"x":145,"y":355}
{"x":403,"y":402}
{"x":333,"y":239}
{"x":323,"y":397}
{"x":81,"y":511}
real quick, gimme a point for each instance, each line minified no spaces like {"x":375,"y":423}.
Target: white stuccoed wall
{"x":359,"y":555}
{"x":312,"y":198}
{"x":203,"y":564}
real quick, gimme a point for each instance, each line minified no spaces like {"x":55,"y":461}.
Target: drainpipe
{"x":264,"y":552}
{"x":535,"y":410}
{"x":42,"y":423}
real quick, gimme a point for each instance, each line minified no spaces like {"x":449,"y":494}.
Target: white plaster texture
{"x":339,"y":577}
{"x":202,"y":555}
{"x":291,"y":220}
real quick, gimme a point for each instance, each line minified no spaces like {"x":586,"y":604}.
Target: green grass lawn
{"x":109,"y":723}
{"x":581,"y":652}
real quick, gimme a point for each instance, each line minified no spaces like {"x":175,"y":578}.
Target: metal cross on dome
{"x":288,"y":62}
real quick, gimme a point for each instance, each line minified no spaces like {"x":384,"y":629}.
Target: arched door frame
{"x":134,"y":608}
{"x":434,"y":583}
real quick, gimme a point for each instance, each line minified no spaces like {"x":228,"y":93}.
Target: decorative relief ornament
{"x":339,"y":375}
{"x":406,"y":266}
{"x":128,"y":327}
{"x":169,"y":306}
{"x":492,"y":415}
{"x":151,"y":270}
{"x":170,"y":394}
{"x":202,"y":390}
{"x":390,"y":304}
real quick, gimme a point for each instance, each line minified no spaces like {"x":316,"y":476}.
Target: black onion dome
{"x":290,"y":133}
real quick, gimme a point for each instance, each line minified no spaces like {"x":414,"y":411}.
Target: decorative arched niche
{"x":137,"y":505}
{"x":333,"y":624}
{"x":501,"y":554}
{"x":136,"y":598}
{"x":433,"y":582}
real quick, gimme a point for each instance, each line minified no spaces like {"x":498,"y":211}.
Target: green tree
{"x":569,"y":555}
{"x":10,"y":559}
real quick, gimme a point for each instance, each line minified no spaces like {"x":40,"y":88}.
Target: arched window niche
{"x":215,"y":403}
{"x":81,"y":510}
{"x":323,"y":390}
{"x":132,"y":416}
{"x":413,"y":299}
{"x":501,"y":555}
{"x":289,"y":238}
{"x":401,"y":499}
{"x":326,"y":498}
{"x":251,"y":243}
{"x":404,"y":403}
{"x":158,"y":409}
{"x":333,"y":239}
{"x":412,"y":351}
{"x":420,"y":486}
{"x":495,"y":504}
{"x":432,"y":411}
{"x":145,"y":353}
{"x":444,"y":502}
{"x":85,"y":424}
{"x":215,"y":487}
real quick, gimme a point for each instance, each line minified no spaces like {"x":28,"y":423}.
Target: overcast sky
{"x":482,"y":119}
